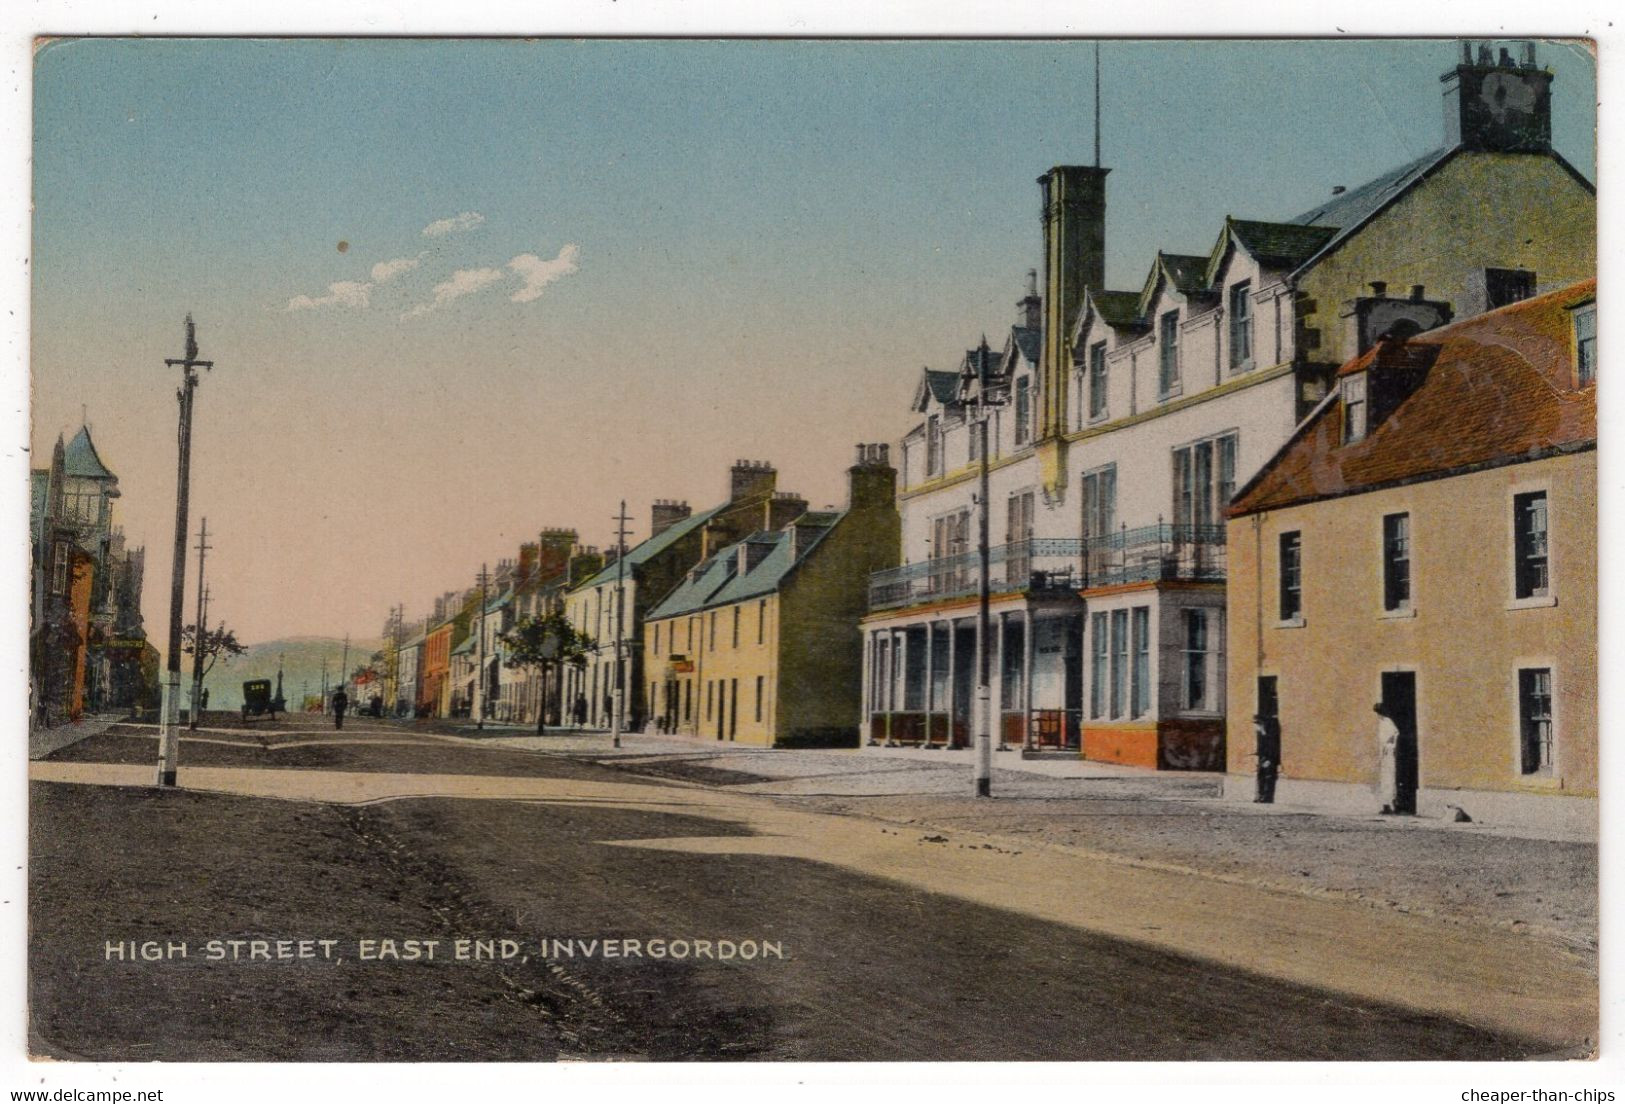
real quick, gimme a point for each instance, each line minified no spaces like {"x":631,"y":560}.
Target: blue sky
{"x":748,"y":248}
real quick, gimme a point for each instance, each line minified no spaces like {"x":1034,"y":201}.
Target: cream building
{"x":1427,"y":540}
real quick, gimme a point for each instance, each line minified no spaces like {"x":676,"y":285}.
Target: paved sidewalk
{"x":43,"y":741}
{"x":1536,"y":883}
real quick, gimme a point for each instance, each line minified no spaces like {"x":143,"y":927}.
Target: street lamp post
{"x":169,"y":737}
{"x":975,"y":387}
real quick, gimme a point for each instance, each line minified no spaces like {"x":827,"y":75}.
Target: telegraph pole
{"x":169,"y":737}
{"x":619,"y":707}
{"x":200,"y":632}
{"x":396,"y":624}
{"x":344,"y":667}
{"x":323,"y":708}
{"x":479,"y":680}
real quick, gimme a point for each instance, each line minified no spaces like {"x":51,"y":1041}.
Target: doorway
{"x":1399,"y":695}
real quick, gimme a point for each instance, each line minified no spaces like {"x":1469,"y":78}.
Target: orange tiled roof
{"x":1501,"y":388}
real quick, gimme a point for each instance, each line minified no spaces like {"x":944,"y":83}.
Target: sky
{"x":459,"y":291}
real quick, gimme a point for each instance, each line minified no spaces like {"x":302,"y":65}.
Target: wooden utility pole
{"x":619,"y":700}
{"x":479,"y":679}
{"x":169,"y":737}
{"x":344,"y":666}
{"x":200,"y":629}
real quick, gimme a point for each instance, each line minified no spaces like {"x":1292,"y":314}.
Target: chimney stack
{"x":1074,"y":257}
{"x":1030,"y":310}
{"x":665,"y":513}
{"x":751,"y":479}
{"x":1497,"y":103}
{"x":1074,"y":220}
{"x":1372,"y":318}
{"x":872,"y":480}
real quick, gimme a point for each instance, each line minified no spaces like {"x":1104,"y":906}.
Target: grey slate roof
{"x":1351,"y":210}
{"x":1029,"y":340}
{"x":81,"y":459}
{"x":717,"y":582}
{"x":944,"y":385}
{"x":655,"y":545}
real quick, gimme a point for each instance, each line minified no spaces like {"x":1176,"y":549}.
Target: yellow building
{"x":759,"y":643}
{"x":1427,"y":540}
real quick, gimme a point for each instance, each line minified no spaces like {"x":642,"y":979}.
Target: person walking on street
{"x":1267,"y":733}
{"x":341,"y":702}
{"x":580,"y":711}
{"x":1387,"y":759}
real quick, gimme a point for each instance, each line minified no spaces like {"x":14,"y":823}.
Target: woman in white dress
{"x":1387,"y":758}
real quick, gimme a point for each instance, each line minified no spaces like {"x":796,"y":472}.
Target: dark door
{"x":1073,"y":667}
{"x":1269,"y":703}
{"x":722,"y":707}
{"x":1399,"y":695}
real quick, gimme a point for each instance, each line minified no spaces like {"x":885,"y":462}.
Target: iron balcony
{"x":1150,"y":553}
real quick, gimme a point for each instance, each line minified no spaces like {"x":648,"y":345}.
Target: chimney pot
{"x":1379,"y":288}
{"x":1416,"y":293}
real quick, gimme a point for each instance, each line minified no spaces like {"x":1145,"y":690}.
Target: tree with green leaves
{"x":548,"y":643}
{"x":219,"y":644}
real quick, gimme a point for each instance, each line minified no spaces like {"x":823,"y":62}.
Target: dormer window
{"x":1168,"y":362}
{"x":1241,"y":326}
{"x":1585,"y":345}
{"x":1354,"y":408}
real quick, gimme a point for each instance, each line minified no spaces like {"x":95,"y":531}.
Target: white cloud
{"x":465,"y":281}
{"x":455,"y":225}
{"x":385,"y":271}
{"x":345,"y":293}
{"x":538,"y":273}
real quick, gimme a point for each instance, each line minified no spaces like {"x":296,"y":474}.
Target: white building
{"x":1126,"y":421}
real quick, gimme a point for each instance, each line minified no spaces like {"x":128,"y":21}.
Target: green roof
{"x":1118,"y":308}
{"x":1275,"y":245}
{"x":717,"y":581}
{"x":81,"y":458}
{"x":656,"y":544}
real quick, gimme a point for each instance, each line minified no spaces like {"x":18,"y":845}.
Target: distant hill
{"x":301,"y":658}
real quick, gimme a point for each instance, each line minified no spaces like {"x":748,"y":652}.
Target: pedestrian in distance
{"x":609,"y":708}
{"x":205,"y":702}
{"x":1387,"y":759}
{"x":580,"y":711}
{"x":1267,"y":735}
{"x":341,"y":702}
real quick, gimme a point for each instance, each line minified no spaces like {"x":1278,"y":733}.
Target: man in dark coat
{"x":341,"y":702}
{"x":1267,"y":732}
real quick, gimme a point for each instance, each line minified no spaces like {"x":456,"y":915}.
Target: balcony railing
{"x":1155,"y":552}
{"x":1147,"y":554}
